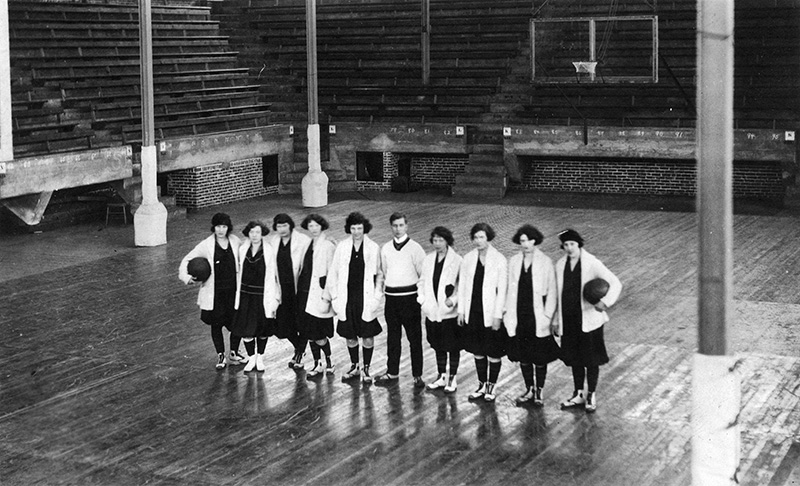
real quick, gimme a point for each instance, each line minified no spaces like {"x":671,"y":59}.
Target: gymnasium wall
{"x":220,"y":183}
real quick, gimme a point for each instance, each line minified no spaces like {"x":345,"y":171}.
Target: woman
{"x":581,"y":323}
{"x":354,"y":295}
{"x":288,"y":248}
{"x":217,"y":294}
{"x":316,"y":319}
{"x":482,"y":290}
{"x":438,"y":298}
{"x":257,"y":296}
{"x":530,"y":305}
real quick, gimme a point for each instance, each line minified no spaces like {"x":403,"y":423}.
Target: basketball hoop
{"x":584,"y":67}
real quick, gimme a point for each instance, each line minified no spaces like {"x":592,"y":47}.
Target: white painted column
{"x":150,"y":220}
{"x":715,"y":383}
{"x":315,"y":183}
{"x":6,"y":140}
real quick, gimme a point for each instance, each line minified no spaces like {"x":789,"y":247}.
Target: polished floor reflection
{"x":108,"y":374}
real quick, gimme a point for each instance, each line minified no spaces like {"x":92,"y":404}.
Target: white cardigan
{"x":317,"y":305}
{"x":494,"y":285}
{"x":298,"y":245}
{"x":205,"y":249}
{"x":437,"y":311}
{"x":545,"y":293}
{"x":336,"y":285}
{"x":591,"y":268}
{"x":272,"y":289}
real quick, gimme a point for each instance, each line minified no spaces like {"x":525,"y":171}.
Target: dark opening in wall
{"x":269,"y":170}
{"x":369,"y":166}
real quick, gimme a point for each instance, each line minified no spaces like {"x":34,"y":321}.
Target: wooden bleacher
{"x":75,"y":75}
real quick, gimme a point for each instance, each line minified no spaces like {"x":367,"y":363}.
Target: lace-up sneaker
{"x":440,"y":383}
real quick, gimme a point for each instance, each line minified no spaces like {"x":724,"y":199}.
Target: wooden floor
{"x":107,"y":374}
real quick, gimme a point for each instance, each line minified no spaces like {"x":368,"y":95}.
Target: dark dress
{"x":286,"y":315}
{"x":526,"y":347}
{"x":224,"y":288}
{"x":312,"y":328}
{"x":578,"y":348}
{"x":354,"y":326}
{"x":250,"y":319}
{"x":479,"y":339}
{"x":444,"y":336}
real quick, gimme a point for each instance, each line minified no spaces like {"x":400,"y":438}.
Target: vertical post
{"x":715,"y":386}
{"x":150,"y":219}
{"x":592,"y":45}
{"x":315,"y":183}
{"x":533,"y":50}
{"x":655,"y":49}
{"x":6,"y":140}
{"x":425,"y":42}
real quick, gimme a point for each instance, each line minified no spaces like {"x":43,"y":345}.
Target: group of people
{"x":294,"y":286}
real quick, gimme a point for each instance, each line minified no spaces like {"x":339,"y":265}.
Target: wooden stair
{"x":485,"y":176}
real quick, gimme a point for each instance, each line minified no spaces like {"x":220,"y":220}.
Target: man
{"x":401,"y":263}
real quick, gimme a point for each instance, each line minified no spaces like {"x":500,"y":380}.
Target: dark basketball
{"x":199,"y":268}
{"x":594,"y":290}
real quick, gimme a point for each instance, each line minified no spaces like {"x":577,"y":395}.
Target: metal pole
{"x":6,"y":137}
{"x":715,"y":385}
{"x":592,"y":45}
{"x":425,"y":42}
{"x":311,"y":53}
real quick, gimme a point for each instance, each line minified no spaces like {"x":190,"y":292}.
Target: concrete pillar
{"x":715,"y":384}
{"x":6,"y":141}
{"x":150,"y":220}
{"x":315,"y":184}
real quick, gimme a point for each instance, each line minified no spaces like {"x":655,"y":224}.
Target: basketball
{"x":594,"y":290}
{"x":199,"y":268}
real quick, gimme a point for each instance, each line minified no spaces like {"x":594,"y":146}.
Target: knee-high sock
{"x":527,"y":374}
{"x":217,"y":339}
{"x":578,"y":375}
{"x":261,"y":345}
{"x":250,"y":347}
{"x":481,"y":368}
{"x":367,"y":355}
{"x":326,"y":348}
{"x":353,"y":354}
{"x":315,"y":350}
{"x":541,"y":375}
{"x":592,"y":375}
{"x":455,"y":358}
{"x":441,"y":362}
{"x":235,"y":340}
{"x":494,"y":371}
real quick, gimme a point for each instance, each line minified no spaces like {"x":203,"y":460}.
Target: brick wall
{"x":654,"y":177}
{"x":213,"y":184}
{"x":389,"y":173}
{"x":436,"y":170}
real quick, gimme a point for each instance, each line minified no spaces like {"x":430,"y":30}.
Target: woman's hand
{"x":496,"y":324}
{"x":554,"y":328}
{"x":449,"y":302}
{"x":461,"y":320}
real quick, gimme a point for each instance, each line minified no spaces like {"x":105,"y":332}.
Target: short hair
{"x":282,"y":218}
{"x":531,"y":232}
{"x":443,"y":233}
{"x":253,"y":224}
{"x":357,"y":218}
{"x":221,"y":219}
{"x":395,"y":216}
{"x":315,"y":218}
{"x":482,"y":227}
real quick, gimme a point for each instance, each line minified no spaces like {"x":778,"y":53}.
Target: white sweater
{"x":402,"y":269}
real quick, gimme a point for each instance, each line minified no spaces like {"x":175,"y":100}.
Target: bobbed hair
{"x":357,"y":218}
{"x":221,"y":219}
{"x":395,"y":216}
{"x":282,"y":218}
{"x":443,"y":233}
{"x":315,"y":218}
{"x":253,"y":224}
{"x":482,"y":227}
{"x":531,"y":232}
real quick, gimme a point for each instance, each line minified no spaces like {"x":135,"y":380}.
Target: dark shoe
{"x":591,"y":402}
{"x":538,"y":401}
{"x":419,"y":382}
{"x":386,"y":379}
{"x":317,"y":370}
{"x":365,"y":376}
{"x":297,"y":362}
